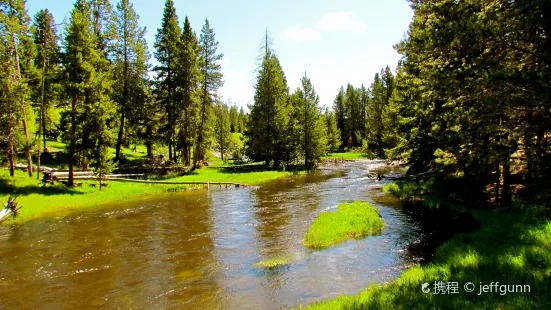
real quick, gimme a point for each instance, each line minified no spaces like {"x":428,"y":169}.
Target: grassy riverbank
{"x":351,"y":220}
{"x":38,"y":201}
{"x":512,"y":247}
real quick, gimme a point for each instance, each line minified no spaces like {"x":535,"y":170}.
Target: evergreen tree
{"x":352,"y":116}
{"x":188,"y":77}
{"x":234,"y":119}
{"x":333,"y":132}
{"x":131,"y":66}
{"x":374,"y":124}
{"x":167,"y":48}
{"x":47,"y":58}
{"x":210,"y":81}
{"x":88,"y":84}
{"x":268,"y":135}
{"x":222,"y":130}
{"x":20,"y":54}
{"x":242,"y":121}
{"x":340,"y":113}
{"x":310,"y":127}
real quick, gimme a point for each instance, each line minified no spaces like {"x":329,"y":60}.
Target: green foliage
{"x":167,"y":48}
{"x":276,"y":262}
{"x":352,"y":220}
{"x":130,"y":69}
{"x":222,"y":130}
{"x":89,"y":85}
{"x":268,"y":130}
{"x":509,"y":248}
{"x":209,"y":83}
{"x":308,"y":125}
{"x":333,"y":132}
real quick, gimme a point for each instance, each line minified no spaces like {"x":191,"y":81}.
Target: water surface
{"x":197,"y":250}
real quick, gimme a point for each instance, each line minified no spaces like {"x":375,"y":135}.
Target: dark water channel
{"x":197,"y":250}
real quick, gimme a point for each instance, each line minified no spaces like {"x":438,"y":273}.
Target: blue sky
{"x":334,"y":42}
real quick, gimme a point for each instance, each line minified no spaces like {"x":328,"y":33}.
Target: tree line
{"x":89,"y":82}
{"x":472,"y":97}
{"x":469,"y":99}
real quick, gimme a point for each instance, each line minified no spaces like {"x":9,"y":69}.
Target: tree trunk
{"x":506,"y":190}
{"x":119,"y":137}
{"x":148,"y":141}
{"x":23,"y":109}
{"x":72,"y":142}
{"x":11,"y":157}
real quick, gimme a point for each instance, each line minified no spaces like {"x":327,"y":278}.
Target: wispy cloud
{"x":341,"y":21}
{"x":298,"y":33}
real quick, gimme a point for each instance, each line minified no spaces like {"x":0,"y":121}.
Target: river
{"x":196,"y":250}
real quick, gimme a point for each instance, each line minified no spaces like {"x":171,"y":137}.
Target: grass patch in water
{"x":352,"y":220}
{"x":276,"y":262}
{"x":512,"y":247}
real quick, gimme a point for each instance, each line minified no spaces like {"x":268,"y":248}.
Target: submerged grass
{"x":352,"y":220}
{"x":512,"y":247}
{"x":276,"y":262}
{"x":38,"y":201}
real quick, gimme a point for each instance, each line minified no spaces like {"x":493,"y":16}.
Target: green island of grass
{"x":512,"y":247}
{"x":352,"y":220}
{"x":275,"y":262}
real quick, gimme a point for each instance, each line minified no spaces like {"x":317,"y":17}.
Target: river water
{"x":197,"y":250}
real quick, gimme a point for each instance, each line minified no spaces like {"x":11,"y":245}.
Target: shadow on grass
{"x":8,"y":188}
{"x":512,"y":247}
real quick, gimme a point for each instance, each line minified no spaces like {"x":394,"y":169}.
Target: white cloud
{"x":298,"y":33}
{"x":341,"y":21}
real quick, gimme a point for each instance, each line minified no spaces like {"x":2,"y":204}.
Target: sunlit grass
{"x":511,"y":247}
{"x":346,"y":155}
{"x":38,"y":201}
{"x":276,"y":262}
{"x":352,"y":220}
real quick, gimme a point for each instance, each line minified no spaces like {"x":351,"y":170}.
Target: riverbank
{"x":512,"y":247}
{"x":38,"y":201}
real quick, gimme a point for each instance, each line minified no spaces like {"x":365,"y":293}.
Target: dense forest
{"x":469,"y":99}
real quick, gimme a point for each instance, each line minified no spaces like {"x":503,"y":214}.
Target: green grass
{"x":276,"y":262}
{"x":55,"y":146}
{"x":512,"y":246}
{"x":352,"y":220}
{"x":38,"y":201}
{"x":346,"y":155}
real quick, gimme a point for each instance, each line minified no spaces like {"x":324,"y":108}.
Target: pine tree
{"x":47,"y":58}
{"x":88,"y":84}
{"x":167,"y":48}
{"x":210,"y":81}
{"x":311,"y":131}
{"x":340,"y":113}
{"x":18,"y":46}
{"x":131,"y":66}
{"x":234,"y":119}
{"x":268,"y":132}
{"x":374,"y":124}
{"x":333,"y":132}
{"x":188,"y":77}
{"x":222,"y":130}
